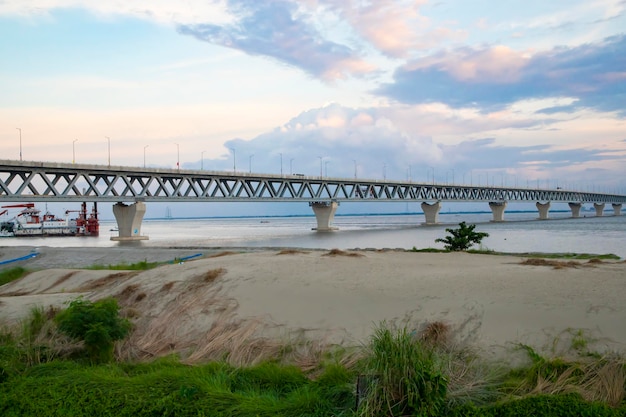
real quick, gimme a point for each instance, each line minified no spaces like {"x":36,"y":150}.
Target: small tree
{"x":97,"y":324}
{"x":462,"y":238}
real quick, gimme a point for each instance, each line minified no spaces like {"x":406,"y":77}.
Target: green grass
{"x":407,"y":372}
{"x":171,"y":389}
{"x":12,"y":274}
{"x":137,"y":266}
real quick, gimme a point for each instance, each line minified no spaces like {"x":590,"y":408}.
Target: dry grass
{"x":595,"y":379}
{"x":15,"y":293}
{"x":219,"y":254}
{"x":436,"y":334}
{"x":559,"y":264}
{"x":61,"y":280}
{"x":108,"y":280}
{"x":167,"y":286}
{"x":339,"y":252}
{"x":212,"y":275}
{"x":292,"y":252}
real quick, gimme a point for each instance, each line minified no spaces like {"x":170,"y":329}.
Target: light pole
{"x":144,"y":155}
{"x":109,"y":148}
{"x":326,"y":168}
{"x":234,"y":159}
{"x":250,"y":163}
{"x":291,"y":166}
{"x":177,"y":157}
{"x":410,"y":174}
{"x":20,"y":142}
{"x":281,"y":164}
{"x":74,"y":151}
{"x":321,"y":157}
{"x":202,"y":160}
{"x":354,"y":160}
{"x":384,"y":172}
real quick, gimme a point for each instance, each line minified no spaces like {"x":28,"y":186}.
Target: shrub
{"x":403,"y":377}
{"x":97,"y":324}
{"x":462,"y":238}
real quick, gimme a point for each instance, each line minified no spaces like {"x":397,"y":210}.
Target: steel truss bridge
{"x":47,"y":181}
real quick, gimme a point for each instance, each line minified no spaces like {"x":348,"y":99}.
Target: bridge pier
{"x":497,"y":209}
{"x":543,"y":208}
{"x":575,"y":207}
{"x":431,"y":212}
{"x":617,"y":209}
{"x":129,"y":221}
{"x":324,"y":214}
{"x":599,"y":209}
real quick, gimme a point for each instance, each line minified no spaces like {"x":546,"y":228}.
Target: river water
{"x":521,"y":232}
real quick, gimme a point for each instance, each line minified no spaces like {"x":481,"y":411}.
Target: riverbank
{"x":334,"y":296}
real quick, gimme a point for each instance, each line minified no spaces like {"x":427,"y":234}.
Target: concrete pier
{"x":617,"y":209}
{"x":324,"y":214}
{"x":431,"y":212}
{"x":543,"y":208}
{"x":129,"y":221}
{"x":497,"y":209}
{"x":575,"y":207}
{"x":599,"y":209}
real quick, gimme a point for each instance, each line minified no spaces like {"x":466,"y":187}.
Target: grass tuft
{"x":339,"y":252}
{"x":12,"y":274}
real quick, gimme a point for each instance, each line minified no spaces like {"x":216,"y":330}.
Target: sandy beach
{"x":338,"y":297}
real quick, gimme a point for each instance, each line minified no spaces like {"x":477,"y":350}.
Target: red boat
{"x":29,"y":222}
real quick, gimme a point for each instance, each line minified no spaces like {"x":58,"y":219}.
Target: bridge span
{"x":129,"y":188}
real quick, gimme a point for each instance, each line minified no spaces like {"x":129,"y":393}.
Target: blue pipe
{"x":21,"y":258}
{"x":186,"y":258}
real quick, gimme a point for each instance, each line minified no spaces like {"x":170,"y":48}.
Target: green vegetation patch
{"x":137,"y":266}
{"x":12,"y":274}
{"x":170,"y":389}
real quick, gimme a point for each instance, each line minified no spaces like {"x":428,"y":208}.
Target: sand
{"x":495,"y":301}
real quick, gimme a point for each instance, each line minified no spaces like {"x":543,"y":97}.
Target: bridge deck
{"x":46,"y":181}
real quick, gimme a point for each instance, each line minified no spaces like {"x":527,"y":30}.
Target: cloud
{"x":395,"y":28}
{"x":279,"y":30}
{"x":334,"y":139}
{"x":495,"y":77}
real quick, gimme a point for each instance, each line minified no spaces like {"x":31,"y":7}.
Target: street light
{"x":20,"y":142}
{"x":281,"y":164}
{"x":109,"y":147}
{"x":384,"y":172}
{"x":291,"y":166}
{"x":74,"y":151}
{"x":202,"y":160}
{"x":177,"y":157}
{"x":321,"y":157}
{"x":250,"y":163}
{"x":326,"y":168}
{"x":144,"y":155}
{"x":234,"y":159}
{"x":354,"y":160}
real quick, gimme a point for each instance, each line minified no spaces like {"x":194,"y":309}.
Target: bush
{"x":462,"y":238}
{"x":403,"y":378}
{"x":97,"y":324}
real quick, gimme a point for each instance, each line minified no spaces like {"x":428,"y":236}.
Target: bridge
{"x":29,"y":181}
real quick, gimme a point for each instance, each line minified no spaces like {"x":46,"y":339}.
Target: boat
{"x":30,"y":222}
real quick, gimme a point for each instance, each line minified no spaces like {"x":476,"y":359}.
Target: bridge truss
{"x":45,"y":181}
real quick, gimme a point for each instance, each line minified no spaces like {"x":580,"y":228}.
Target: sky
{"x":515,"y":93}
